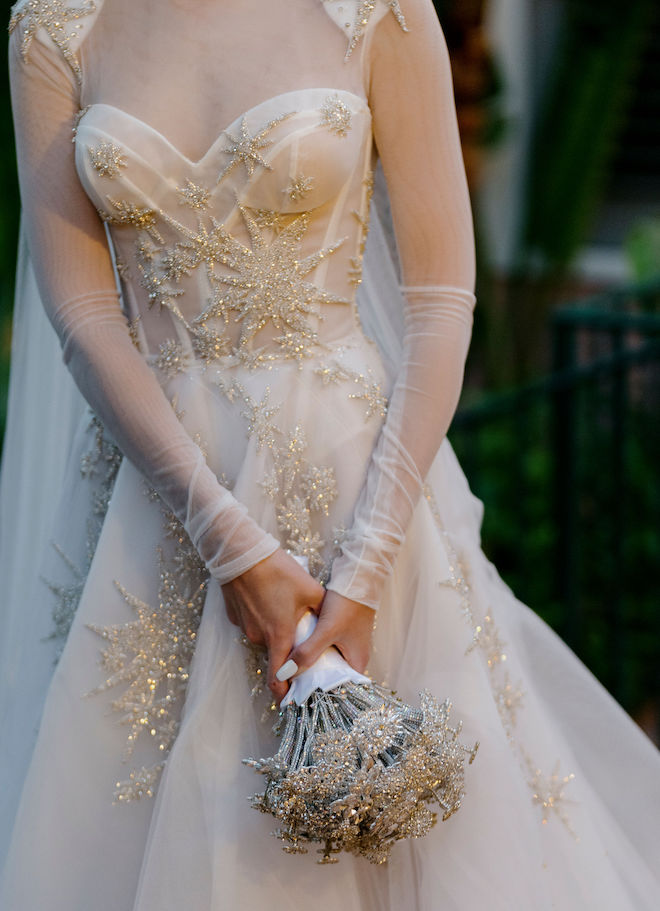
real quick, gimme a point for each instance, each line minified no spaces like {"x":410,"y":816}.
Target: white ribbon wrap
{"x":327,"y":672}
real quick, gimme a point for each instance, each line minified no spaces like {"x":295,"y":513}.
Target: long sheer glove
{"x":437,"y":334}
{"x":416,"y":133}
{"x":76,"y":281}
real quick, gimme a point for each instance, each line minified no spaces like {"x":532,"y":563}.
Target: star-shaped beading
{"x":151,"y":655}
{"x":299,"y":188}
{"x":267,"y":218}
{"x":487,"y":637}
{"x":336,"y":115}
{"x":369,"y":391}
{"x":260,"y":420}
{"x":171,"y":358}
{"x":269,"y":284}
{"x":319,"y":488}
{"x":294,"y":519}
{"x":208,"y":343}
{"x":58,"y":19}
{"x":509,"y":698}
{"x":107,"y":158}
{"x":127,"y":214}
{"x":246,"y":149}
{"x":548,"y":793}
{"x":193,"y":195}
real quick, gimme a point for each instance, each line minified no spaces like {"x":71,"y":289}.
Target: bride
{"x":262,"y":388}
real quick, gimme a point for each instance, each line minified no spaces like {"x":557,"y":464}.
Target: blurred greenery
{"x":643,"y":249}
{"x":507,"y":445}
{"x":581,"y":117}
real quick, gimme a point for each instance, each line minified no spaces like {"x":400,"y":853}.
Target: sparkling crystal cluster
{"x":358,"y":769}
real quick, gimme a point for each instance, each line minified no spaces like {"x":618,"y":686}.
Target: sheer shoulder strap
{"x":354,"y":17}
{"x":63,"y":23}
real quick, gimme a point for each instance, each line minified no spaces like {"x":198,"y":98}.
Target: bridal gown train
{"x":254,"y":411}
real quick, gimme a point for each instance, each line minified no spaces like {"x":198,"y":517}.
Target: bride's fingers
{"x":356,"y":654}
{"x":316,"y":608}
{"x":305,"y":654}
{"x":278,"y":657}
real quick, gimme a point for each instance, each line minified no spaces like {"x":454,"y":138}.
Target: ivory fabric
{"x":226,"y":149}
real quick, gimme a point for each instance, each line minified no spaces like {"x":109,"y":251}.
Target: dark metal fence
{"x":568,"y":467}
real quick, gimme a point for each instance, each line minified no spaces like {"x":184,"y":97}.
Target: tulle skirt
{"x":562,"y":804}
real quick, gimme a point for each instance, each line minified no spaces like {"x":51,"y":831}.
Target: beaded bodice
{"x":254,"y":251}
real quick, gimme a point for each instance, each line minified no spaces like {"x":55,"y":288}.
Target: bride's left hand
{"x":346,"y":624}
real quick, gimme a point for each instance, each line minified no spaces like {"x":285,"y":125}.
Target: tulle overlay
{"x":233,"y":373}
{"x":539,"y":808}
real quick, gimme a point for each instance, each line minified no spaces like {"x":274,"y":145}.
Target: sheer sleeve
{"x":415,"y":129}
{"x":76,"y":281}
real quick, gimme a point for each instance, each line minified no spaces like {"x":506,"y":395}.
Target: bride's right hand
{"x":267,"y":601}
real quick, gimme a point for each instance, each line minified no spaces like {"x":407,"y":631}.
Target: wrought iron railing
{"x":568,"y":467}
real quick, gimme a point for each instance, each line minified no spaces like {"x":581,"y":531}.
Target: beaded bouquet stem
{"x":358,"y":769}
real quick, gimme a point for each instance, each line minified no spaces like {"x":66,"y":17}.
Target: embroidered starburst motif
{"x":127,"y":214}
{"x":150,"y":655}
{"x":487,"y":637}
{"x":362,"y":16}
{"x":208,"y":343}
{"x":193,"y":195}
{"x":319,"y":487}
{"x":368,"y":390}
{"x":107,"y":158}
{"x":299,"y":188}
{"x":259,"y":416}
{"x":269,"y":284}
{"x":336,"y":115}
{"x":270,"y":485}
{"x":510,"y":699}
{"x":58,"y":19}
{"x":246,"y":149}
{"x":267,"y":218}
{"x":171,"y":357}
{"x":548,"y":793}
{"x":294,"y":520}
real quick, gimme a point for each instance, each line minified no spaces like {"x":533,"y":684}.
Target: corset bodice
{"x":254,"y":251}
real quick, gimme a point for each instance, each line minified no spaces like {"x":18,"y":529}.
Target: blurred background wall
{"x":558,"y":429}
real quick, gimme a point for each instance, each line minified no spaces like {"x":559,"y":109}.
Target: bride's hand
{"x":267,"y":602}
{"x":346,"y":624}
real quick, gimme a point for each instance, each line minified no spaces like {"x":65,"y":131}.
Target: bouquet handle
{"x":329,"y":671}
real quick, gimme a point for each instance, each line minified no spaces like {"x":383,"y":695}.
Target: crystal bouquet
{"x":357,"y":768}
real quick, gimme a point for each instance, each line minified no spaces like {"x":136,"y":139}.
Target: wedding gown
{"x":229,"y":148}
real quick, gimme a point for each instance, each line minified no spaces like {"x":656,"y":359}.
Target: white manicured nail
{"x":287,"y":670}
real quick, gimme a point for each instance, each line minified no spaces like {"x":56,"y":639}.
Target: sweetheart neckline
{"x":196,"y":163}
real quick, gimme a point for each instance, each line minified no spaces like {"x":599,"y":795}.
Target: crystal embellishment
{"x":149,"y":656}
{"x":362,"y":16}
{"x":193,"y":195}
{"x":59,"y":19}
{"x":268,"y":283}
{"x":299,"y":188}
{"x":106,"y":158}
{"x":246,"y":149}
{"x":336,"y":115}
